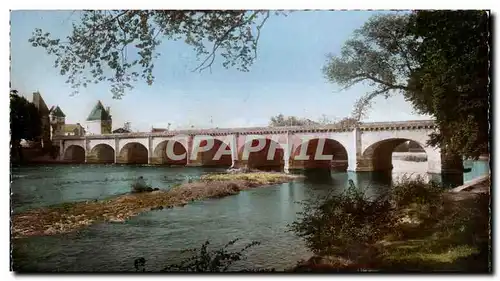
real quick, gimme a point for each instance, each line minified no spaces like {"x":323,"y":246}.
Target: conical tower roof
{"x":99,"y":113}
{"x":57,"y":112}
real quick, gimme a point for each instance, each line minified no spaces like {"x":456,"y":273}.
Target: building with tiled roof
{"x":57,"y":121}
{"x":121,"y":131}
{"x":57,"y":112}
{"x":99,"y":113}
{"x":74,"y":130}
{"x":99,"y":120}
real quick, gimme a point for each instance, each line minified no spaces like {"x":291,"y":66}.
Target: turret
{"x":99,"y":121}
{"x":57,"y":121}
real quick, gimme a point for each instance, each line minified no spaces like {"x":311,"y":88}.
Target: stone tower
{"x":43,"y":110}
{"x":99,"y":121}
{"x":57,"y":121}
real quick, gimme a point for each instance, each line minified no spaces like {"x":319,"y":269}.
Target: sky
{"x":286,"y":77}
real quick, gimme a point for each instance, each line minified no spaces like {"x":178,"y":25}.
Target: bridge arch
{"x":160,"y":153}
{"x":74,"y":154}
{"x":212,"y":157}
{"x":320,"y":153}
{"x":379,"y":155}
{"x":101,"y":153}
{"x":133,"y":153}
{"x":267,"y":158}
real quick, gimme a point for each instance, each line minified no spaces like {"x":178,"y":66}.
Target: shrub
{"x":140,"y":186}
{"x":344,"y":224}
{"x":204,"y":260}
{"x":408,"y":191}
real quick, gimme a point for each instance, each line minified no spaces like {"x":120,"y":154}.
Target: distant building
{"x":57,"y":121}
{"x":74,"y":130}
{"x":121,"y":131}
{"x":99,"y":121}
{"x":158,"y":130}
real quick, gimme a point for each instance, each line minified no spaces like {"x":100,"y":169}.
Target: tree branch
{"x":366,"y":76}
{"x":258,"y":33}
{"x":218,"y":42}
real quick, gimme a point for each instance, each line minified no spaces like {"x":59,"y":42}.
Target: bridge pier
{"x":233,"y":146}
{"x":355,"y":163}
{"x":286,"y":167}
{"x":117,"y":149}
{"x":150,"y":149}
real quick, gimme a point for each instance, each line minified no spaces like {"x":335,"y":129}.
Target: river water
{"x":260,"y":214}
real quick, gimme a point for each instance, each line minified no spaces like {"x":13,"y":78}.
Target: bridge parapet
{"x":399,"y":125}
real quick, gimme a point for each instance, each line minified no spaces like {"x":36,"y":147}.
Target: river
{"x":260,"y":214}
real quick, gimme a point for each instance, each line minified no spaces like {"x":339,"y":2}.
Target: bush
{"x":204,"y":260}
{"x":140,"y":186}
{"x":414,"y":226}
{"x":350,"y":224}
{"x":344,"y":224}
{"x":408,"y":191}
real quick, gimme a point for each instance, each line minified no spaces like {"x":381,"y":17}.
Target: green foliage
{"x":119,"y":46}
{"x":439,"y":60}
{"x":345,"y":223}
{"x":412,"y":227}
{"x":25,"y":123}
{"x":451,"y":82}
{"x":204,"y":260}
{"x":280,"y":121}
{"x":25,"y":120}
{"x":407,"y":191}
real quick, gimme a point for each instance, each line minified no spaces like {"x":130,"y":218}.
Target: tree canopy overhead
{"x":102,"y":44}
{"x":439,"y":61}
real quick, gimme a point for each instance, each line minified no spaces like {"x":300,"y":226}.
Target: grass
{"x":256,"y":178}
{"x":67,"y":217}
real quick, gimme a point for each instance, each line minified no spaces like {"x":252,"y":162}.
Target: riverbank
{"x":68,"y":217}
{"x":433,"y":231}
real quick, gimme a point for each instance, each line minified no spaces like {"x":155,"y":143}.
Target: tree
{"x":325,"y":120}
{"x":25,"y":122}
{"x":101,"y":45}
{"x":437,"y":59}
{"x":452,"y":79}
{"x":280,"y":121}
{"x":381,"y":54}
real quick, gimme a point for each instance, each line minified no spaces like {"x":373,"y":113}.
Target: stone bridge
{"x":367,"y":147}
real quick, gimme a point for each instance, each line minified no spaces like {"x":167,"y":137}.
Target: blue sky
{"x":286,"y":77}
